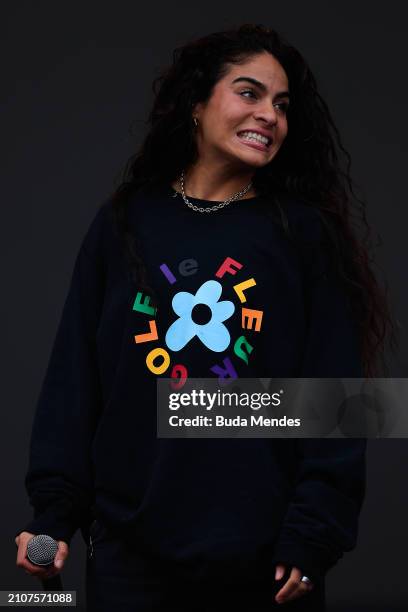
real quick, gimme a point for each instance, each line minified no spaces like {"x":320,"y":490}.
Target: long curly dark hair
{"x":312,"y":164}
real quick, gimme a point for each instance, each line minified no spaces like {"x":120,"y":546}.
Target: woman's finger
{"x":290,"y":585}
{"x":280,"y":571}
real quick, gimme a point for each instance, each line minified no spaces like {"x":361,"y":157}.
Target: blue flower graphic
{"x":213,"y":334}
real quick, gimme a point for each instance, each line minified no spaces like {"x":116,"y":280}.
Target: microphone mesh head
{"x":41,"y":549}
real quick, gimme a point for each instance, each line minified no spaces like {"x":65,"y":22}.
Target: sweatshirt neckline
{"x":206,"y":203}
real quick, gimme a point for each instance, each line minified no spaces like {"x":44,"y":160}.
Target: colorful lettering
{"x":179,"y":372}
{"x":239,"y":289}
{"x":168,"y":274}
{"x":238,"y":350}
{"x":251,"y":315}
{"x":145,"y":306}
{"x":225,"y":375}
{"x":154,"y":353}
{"x":188,"y":267}
{"x":226,"y":266}
{"x":152,"y":335}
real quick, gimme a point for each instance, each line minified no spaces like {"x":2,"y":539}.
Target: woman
{"x":238,"y":189}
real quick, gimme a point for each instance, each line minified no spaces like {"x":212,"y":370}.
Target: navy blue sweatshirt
{"x":197,"y":503}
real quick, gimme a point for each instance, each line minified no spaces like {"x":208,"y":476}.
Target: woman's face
{"x":240,"y":105}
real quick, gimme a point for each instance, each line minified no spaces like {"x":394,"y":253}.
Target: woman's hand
{"x":293,"y":588}
{"x":41,"y":572}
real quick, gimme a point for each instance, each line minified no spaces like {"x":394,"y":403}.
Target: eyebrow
{"x":261,"y":86}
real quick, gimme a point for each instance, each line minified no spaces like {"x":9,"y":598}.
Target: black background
{"x":76,"y":89}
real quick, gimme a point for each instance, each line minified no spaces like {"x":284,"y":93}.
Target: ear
{"x":196,"y":110}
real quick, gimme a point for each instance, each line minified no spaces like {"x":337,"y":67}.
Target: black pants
{"x":121,"y":579}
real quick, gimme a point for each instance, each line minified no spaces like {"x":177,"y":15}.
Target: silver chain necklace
{"x":211,"y":208}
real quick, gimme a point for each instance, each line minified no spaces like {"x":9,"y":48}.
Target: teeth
{"x":254,"y":136}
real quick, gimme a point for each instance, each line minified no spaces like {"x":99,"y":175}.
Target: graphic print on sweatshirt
{"x":205,"y":317}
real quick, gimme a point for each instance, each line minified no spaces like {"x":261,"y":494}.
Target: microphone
{"x":41,"y":550}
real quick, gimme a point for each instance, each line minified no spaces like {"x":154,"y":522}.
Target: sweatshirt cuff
{"x":50,"y":524}
{"x":312,"y":560}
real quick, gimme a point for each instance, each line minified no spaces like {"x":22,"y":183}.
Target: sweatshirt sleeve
{"x":321,"y":522}
{"x":59,"y":479}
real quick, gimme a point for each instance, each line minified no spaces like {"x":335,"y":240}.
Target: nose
{"x":267,"y":113}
